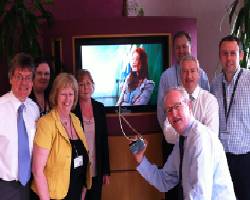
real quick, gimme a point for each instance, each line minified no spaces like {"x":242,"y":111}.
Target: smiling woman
{"x":92,"y":115}
{"x":60,"y":139}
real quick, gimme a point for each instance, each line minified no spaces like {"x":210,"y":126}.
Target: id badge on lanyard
{"x":78,"y":161}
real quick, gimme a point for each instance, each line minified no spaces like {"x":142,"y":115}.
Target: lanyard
{"x":232,"y":97}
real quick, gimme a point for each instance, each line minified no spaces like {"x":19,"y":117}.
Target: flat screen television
{"x":108,"y":58}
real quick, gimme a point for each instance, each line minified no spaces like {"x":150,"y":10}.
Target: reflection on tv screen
{"x":111,"y":67}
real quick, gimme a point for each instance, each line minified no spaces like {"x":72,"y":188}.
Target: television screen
{"x":113,"y":63}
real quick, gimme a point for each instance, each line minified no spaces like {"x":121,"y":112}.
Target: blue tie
{"x":23,"y":149}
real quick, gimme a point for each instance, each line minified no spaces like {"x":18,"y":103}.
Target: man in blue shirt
{"x":171,"y":76}
{"x":204,"y":171}
{"x":231,"y":88}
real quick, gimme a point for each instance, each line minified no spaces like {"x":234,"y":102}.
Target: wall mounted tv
{"x":109,"y":59}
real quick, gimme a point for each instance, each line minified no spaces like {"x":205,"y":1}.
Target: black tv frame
{"x":110,"y":39}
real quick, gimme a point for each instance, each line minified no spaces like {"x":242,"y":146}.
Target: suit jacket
{"x":101,"y":137}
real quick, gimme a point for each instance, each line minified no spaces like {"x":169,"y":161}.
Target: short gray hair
{"x":190,"y":58}
{"x":181,"y":90}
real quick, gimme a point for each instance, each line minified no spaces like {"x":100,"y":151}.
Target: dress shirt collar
{"x":196,"y":92}
{"x":188,"y":128}
{"x":16,"y":102}
{"x":234,"y":77}
{"x":177,"y":66}
{"x":177,"y":69}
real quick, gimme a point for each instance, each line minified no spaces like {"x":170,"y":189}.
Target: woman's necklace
{"x":67,"y":124}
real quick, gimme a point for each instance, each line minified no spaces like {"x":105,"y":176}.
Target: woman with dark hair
{"x":137,"y":89}
{"x":41,"y":85}
{"x":92,"y":115}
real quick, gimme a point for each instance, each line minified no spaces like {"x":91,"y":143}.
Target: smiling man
{"x":171,"y":78}
{"x":202,"y":173}
{"x":18,"y":115}
{"x":204,"y":105}
{"x":231,"y":88}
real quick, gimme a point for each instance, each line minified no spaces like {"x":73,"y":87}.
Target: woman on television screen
{"x":137,"y":89}
{"x":92,"y":115}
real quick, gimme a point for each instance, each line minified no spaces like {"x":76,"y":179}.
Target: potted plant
{"x":239,"y":19}
{"x":20,"y":22}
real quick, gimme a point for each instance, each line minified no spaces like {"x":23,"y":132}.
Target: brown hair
{"x":181,"y":34}
{"x":231,"y":38}
{"x":84,"y":72}
{"x":23,"y":61}
{"x":143,"y":73}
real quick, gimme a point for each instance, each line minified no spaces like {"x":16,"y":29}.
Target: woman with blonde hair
{"x":60,"y":159}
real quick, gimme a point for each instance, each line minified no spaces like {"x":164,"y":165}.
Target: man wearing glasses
{"x":198,"y":162}
{"x":18,"y":115}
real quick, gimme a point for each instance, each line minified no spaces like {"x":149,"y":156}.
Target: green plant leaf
{"x":20,"y":24}
{"x":232,"y":12}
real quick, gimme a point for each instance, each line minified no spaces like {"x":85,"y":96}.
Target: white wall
{"x":208,"y":14}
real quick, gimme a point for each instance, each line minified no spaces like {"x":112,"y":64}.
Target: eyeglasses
{"x":19,"y":77}
{"x":176,"y":107}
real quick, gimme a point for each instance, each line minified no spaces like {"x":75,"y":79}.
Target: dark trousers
{"x":95,"y":193}
{"x":167,"y":150}
{"x":239,"y":167}
{"x":13,"y":190}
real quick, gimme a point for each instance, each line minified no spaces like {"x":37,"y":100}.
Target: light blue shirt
{"x":139,"y":96}
{"x":235,"y":133}
{"x":205,"y":171}
{"x":171,"y":78}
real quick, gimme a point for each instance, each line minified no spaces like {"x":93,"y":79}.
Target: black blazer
{"x":101,"y":137}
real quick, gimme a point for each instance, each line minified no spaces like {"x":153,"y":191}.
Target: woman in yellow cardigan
{"x":60,"y":159}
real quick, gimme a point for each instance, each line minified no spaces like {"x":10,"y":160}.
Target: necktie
{"x":23,"y":149}
{"x":181,"y":147}
{"x":191,"y":97}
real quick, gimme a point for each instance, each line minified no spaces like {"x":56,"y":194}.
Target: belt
{"x":8,"y":181}
{"x":232,"y":154}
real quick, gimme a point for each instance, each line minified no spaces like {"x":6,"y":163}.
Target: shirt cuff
{"x":143,"y":166}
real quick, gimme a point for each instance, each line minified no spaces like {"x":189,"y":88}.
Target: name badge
{"x":78,"y":161}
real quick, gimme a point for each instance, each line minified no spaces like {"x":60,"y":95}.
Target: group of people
{"x":206,"y":128}
{"x":54,"y":139}
{"x":56,"y":145}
